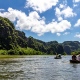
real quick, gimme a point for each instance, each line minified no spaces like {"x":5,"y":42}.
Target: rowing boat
{"x":57,"y":57}
{"x":74,"y":61}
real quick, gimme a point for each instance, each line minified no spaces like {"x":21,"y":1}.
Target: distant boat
{"x":58,"y":56}
{"x":74,"y":61}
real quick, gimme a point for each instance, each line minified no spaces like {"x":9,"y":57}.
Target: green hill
{"x":9,"y":37}
{"x":12,"y":39}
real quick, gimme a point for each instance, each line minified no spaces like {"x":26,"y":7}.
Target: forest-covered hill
{"x":54,"y":47}
{"x":10,"y":38}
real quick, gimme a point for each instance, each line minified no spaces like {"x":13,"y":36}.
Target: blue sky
{"x":46,"y":20}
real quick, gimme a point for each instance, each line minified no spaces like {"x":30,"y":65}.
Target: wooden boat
{"x":74,"y":61}
{"x":57,"y":57}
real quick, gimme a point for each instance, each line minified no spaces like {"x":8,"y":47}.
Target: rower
{"x":74,"y":57}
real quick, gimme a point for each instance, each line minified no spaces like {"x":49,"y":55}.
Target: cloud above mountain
{"x":36,"y":23}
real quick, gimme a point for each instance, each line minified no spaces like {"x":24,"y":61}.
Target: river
{"x":38,"y":67}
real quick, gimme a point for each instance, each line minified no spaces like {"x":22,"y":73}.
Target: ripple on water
{"x":39,"y":68}
{"x":10,"y":75}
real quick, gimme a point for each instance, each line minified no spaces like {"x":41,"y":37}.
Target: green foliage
{"x":3,"y":52}
{"x":16,"y":43}
{"x":36,"y":44}
{"x":46,"y":47}
{"x":67,"y":49}
{"x":21,"y":39}
{"x":9,"y":37}
{"x":71,"y":46}
{"x":75,"y":52}
{"x":60,"y":49}
{"x":72,"y":53}
{"x":24,"y":51}
{"x":10,"y":23}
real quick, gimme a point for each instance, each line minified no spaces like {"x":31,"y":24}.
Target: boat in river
{"x":58,"y":56}
{"x":74,"y":61}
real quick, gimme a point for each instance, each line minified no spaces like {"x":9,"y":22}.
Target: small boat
{"x":58,"y":56}
{"x":74,"y":61}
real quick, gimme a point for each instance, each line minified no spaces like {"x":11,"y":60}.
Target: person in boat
{"x":78,"y":57}
{"x":74,"y":57}
{"x":59,"y":55}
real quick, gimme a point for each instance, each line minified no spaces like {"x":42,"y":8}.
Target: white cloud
{"x":41,"y":5}
{"x":55,"y":27}
{"x":58,"y":12}
{"x":75,"y":5}
{"x":2,"y":9}
{"x":76,"y":1}
{"x":66,"y":12}
{"x":66,"y":33}
{"x":60,"y":18}
{"x":77,"y":35}
{"x":58,"y":34}
{"x":11,"y":14}
{"x":61,"y":6}
{"x":34,"y":22}
{"x":78,"y":23}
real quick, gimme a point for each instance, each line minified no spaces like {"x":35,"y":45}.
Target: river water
{"x":39,"y":67}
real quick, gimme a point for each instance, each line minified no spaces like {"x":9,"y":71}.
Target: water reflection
{"x":74,"y":65}
{"x":39,"y":68}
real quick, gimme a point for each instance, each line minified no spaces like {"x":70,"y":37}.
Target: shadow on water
{"x":74,"y":65}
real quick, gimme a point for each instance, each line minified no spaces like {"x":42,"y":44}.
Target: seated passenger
{"x":74,"y":57}
{"x":59,"y":55}
{"x":78,"y":57}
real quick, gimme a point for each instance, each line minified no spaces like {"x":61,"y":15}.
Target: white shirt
{"x":78,"y":57}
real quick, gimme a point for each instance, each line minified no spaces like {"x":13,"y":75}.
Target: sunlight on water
{"x":39,"y":68}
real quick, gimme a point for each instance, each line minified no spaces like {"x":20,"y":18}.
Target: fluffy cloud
{"x":2,"y":9}
{"x":34,"y":22}
{"x":75,"y":5}
{"x":11,"y":14}
{"x":77,"y":35}
{"x":76,"y":1}
{"x":56,"y":27}
{"x":60,"y":18}
{"x":66,"y":33}
{"x":62,"y":6}
{"x":78,"y":23}
{"x":41,"y":5}
{"x":66,"y":12}
{"x":58,"y":34}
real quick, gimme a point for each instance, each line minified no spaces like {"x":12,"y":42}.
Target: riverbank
{"x":21,"y":51}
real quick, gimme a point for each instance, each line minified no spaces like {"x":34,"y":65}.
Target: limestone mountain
{"x":9,"y":37}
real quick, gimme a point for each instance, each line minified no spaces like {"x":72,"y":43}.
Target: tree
{"x":60,"y":49}
{"x":67,"y":49}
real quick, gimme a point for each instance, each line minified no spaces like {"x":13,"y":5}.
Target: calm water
{"x":39,"y":68}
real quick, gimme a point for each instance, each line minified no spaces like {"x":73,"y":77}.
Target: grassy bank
{"x":20,"y":51}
